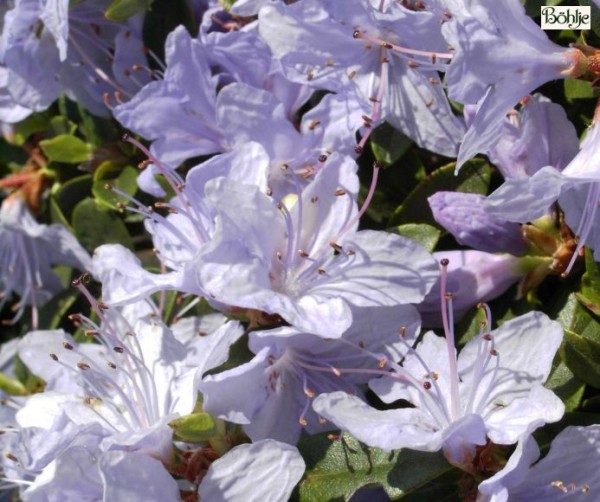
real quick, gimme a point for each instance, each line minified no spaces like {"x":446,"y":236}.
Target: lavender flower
{"x":271,"y":395}
{"x":493,"y":389}
{"x":576,"y":188}
{"x":302,"y":258}
{"x":51,"y":47}
{"x":387,"y":59}
{"x":28,"y":250}
{"x":568,"y":472}
{"x":500,"y":55}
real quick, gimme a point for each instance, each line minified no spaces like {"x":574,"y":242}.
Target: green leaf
{"x":581,"y":346}
{"x":119,"y":10}
{"x":124,"y":179}
{"x":56,"y":214}
{"x":591,"y":301}
{"x":577,"y":89}
{"x":34,"y":123}
{"x":336,"y":469}
{"x":590,"y":284}
{"x":582,"y":355}
{"x":576,"y":319}
{"x":53,"y":312}
{"x":94,"y":226}
{"x":566,"y":386}
{"x":194,"y":428}
{"x":389,"y":144}
{"x":69,"y":195}
{"x":474,"y":177}
{"x":66,"y":148}
{"x":60,"y":125}
{"x":595,"y":15}
{"x":12,"y":386}
{"x":424,"y":234}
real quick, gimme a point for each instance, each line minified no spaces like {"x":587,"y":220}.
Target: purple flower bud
{"x":464,"y":216}
{"x":473,"y":277}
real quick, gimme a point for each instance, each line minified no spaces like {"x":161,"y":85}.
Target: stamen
{"x":447,"y":314}
{"x":366,"y":203}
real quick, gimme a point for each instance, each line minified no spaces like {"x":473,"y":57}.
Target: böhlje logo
{"x":566,"y":18}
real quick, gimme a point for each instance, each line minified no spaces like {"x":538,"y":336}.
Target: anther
{"x":313,"y":124}
{"x":336,"y":247}
{"x":322,"y":420}
{"x":356,"y":34}
{"x":339,"y":192}
{"x":91,"y":332}
{"x":382,"y":362}
{"x":279,"y":255}
{"x":402,"y":331}
{"x":119,"y":350}
{"x":334,"y":437}
{"x":314,"y":199}
{"x":321,"y":271}
{"x":352,"y":74}
{"x":302,"y":253}
{"x":126,"y":137}
{"x":310,"y":76}
{"x":269,"y":191}
{"x":426,"y":385}
{"x":310,"y":393}
{"x":329,"y":62}
{"x":112,"y":366}
{"x":322,"y":158}
{"x":412,"y":64}
{"x":10,"y":456}
{"x":444,"y":262}
{"x":493,"y":352}
{"x":83,"y":366}
{"x":487,"y":337}
{"x":358,"y":149}
{"x":67,"y":345}
{"x":54,"y":357}
{"x":303,"y":422}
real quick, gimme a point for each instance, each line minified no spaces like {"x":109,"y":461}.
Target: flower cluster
{"x":241,"y":298}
